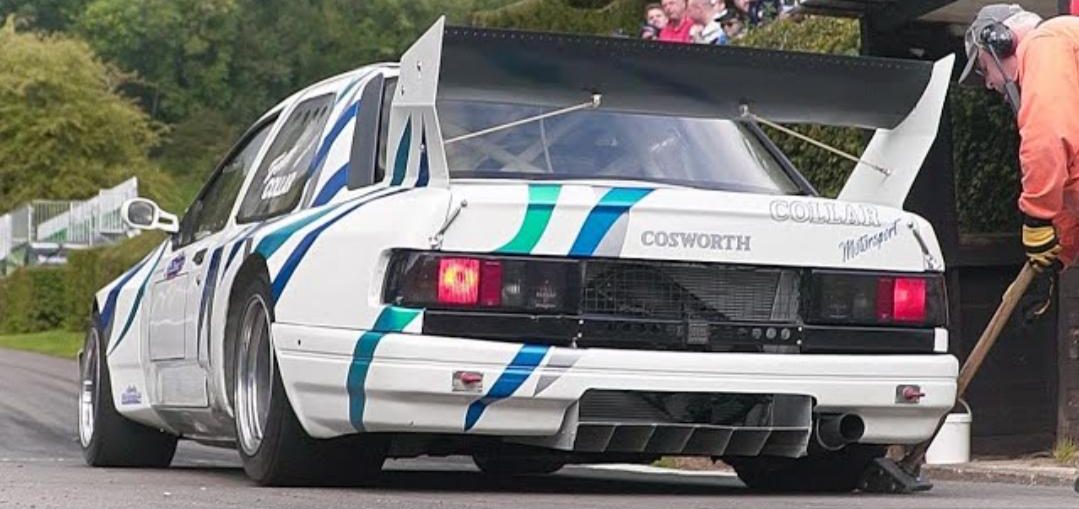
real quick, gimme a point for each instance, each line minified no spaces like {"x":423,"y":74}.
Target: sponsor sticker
{"x":696,"y":240}
{"x":131,"y":396}
{"x":828,"y":213}
{"x":855,"y":247}
{"x":175,"y":266}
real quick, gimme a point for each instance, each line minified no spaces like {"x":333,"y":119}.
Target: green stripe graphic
{"x":541,"y":203}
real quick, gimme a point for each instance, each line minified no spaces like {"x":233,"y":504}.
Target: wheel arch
{"x":253,"y":267}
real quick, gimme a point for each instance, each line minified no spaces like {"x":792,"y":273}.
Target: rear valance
{"x":682,"y":80}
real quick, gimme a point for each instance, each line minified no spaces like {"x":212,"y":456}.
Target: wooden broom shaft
{"x":1008,"y":302}
{"x":992,"y":331}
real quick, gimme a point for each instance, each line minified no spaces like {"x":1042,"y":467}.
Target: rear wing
{"x":902,"y":99}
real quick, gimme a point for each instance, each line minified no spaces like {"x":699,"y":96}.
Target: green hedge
{"x":825,"y":170}
{"x":44,"y":298}
{"x":30,"y":300}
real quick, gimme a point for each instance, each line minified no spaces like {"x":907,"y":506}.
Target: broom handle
{"x":992,"y":331}
{"x":985,"y":343}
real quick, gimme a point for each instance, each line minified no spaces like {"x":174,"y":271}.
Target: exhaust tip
{"x":837,"y":430}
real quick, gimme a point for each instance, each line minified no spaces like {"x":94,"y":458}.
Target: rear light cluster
{"x":547,"y":286}
{"x":440,"y":281}
{"x":860,"y":299}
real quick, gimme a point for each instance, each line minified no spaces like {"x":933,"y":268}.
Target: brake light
{"x":458,"y":280}
{"x":867,"y":299}
{"x":435,"y":280}
{"x":490,"y":283}
{"x":908,"y":300}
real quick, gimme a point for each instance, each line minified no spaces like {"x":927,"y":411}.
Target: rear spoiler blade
{"x":902,"y":150}
{"x":634,"y":76}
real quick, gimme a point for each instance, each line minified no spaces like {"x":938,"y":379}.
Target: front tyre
{"x":822,"y":472}
{"x":109,"y":439}
{"x":275,"y":449}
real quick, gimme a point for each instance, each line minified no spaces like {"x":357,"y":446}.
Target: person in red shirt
{"x":678,"y":24}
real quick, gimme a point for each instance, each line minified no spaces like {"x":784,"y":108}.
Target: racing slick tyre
{"x":109,"y":439}
{"x":275,"y":449}
{"x":821,"y":472}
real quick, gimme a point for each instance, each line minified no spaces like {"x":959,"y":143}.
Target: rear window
{"x":706,"y":153}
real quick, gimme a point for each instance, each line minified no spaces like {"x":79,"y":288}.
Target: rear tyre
{"x":824,"y":472}
{"x":275,"y":449}
{"x":496,"y":463}
{"x":109,"y":439}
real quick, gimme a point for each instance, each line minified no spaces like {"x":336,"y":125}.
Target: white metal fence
{"x":67,"y":223}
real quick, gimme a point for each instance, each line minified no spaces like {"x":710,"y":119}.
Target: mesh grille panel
{"x":690,"y":291}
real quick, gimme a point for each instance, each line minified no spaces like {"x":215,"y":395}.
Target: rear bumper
{"x":342,"y":381}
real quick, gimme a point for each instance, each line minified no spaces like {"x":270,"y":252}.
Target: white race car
{"x":540,"y":249}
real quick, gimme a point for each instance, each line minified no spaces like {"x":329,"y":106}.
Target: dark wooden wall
{"x":1067,"y":354}
{"x":1014,"y":396}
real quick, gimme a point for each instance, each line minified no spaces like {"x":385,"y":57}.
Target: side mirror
{"x":143,"y":214}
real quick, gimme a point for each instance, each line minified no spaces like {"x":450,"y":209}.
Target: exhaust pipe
{"x":835,"y":431}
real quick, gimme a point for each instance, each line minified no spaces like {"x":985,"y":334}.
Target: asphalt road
{"x":41,"y":467}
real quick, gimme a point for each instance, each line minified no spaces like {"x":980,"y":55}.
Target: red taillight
{"x":440,"y":281}
{"x":458,"y":280}
{"x":909,"y":300}
{"x":877,"y":299}
{"x":901,"y":299}
{"x":491,"y":283}
{"x":469,"y":281}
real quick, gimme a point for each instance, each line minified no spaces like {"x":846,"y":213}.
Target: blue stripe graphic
{"x":400,"y":164}
{"x":392,"y":319}
{"x":138,"y":300}
{"x":105,"y":316}
{"x":209,"y":289}
{"x":294,"y":258}
{"x":232,"y":252}
{"x":342,"y":121}
{"x":273,"y":241}
{"x":613,"y":205}
{"x":348,"y":88}
{"x":336,"y":183}
{"x":522,"y":365}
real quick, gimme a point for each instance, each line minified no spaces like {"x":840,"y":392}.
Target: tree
{"x":43,"y":15}
{"x":574,"y":16}
{"x":180,"y":49}
{"x":64,"y":130}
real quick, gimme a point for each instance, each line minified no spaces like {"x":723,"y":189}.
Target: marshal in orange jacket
{"x":1048,"y":79}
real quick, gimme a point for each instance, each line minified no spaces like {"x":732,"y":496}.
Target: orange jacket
{"x":1049,"y":127}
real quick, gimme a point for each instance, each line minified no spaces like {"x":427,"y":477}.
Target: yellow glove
{"x":1040,"y":242}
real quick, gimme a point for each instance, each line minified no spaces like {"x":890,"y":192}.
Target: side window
{"x":210,"y":211}
{"x":278,"y":184}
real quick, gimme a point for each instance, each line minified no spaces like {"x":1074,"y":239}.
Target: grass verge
{"x":57,"y":343}
{"x":1066,"y":452}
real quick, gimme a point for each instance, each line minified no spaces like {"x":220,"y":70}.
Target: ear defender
{"x":999,"y":39}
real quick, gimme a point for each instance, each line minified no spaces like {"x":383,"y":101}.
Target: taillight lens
{"x":908,"y":300}
{"x":866,"y":299}
{"x":434,"y":280}
{"x":458,"y":280}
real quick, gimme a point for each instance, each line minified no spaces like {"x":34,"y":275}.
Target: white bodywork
{"x":351,"y":363}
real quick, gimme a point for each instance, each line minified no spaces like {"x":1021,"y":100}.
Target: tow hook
{"x":910,"y":394}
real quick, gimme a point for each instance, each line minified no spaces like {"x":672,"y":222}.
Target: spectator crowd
{"x":709,"y":21}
